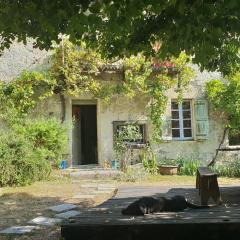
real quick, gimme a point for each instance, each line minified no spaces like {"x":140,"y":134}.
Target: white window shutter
{"x":167,"y":130}
{"x":201,"y":119}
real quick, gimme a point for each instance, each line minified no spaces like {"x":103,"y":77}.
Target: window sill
{"x":136,"y":145}
{"x":183,"y":140}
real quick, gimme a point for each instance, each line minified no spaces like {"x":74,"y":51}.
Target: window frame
{"x":143,"y":124}
{"x":181,"y":119}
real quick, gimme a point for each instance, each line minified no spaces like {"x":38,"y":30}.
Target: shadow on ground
{"x":230,"y":196}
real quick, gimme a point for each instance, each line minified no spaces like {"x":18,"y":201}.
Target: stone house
{"x":191,"y":129}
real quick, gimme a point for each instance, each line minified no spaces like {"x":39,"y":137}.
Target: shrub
{"x":19,"y":163}
{"x":48,"y":136}
{"x":148,"y":158}
{"x":188,"y":166}
{"x":229,"y":170}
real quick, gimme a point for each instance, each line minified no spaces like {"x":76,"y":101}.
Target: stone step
{"x":96,"y":173}
{"x":45,"y":221}
{"x":62,"y":207}
{"x":18,"y":230}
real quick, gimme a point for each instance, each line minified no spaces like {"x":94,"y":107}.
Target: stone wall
{"x":21,"y":57}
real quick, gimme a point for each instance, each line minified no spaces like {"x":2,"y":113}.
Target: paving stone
{"x":67,"y":214}
{"x":46,"y":221}
{"x":106,"y":185}
{"x":18,"y":229}
{"x":63,"y":207}
{"x":89,"y":185}
{"x":102,"y":192}
{"x":84,"y":196}
{"x":106,"y":189}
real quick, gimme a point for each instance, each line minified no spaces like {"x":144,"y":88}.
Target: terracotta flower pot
{"x":168,"y":169}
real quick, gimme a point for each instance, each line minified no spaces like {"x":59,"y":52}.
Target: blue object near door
{"x":115,"y":164}
{"x":63,"y":164}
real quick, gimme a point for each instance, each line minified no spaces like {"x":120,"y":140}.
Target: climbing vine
{"x":75,"y":69}
{"x":21,"y":95}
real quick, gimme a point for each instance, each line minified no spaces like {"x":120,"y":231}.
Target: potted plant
{"x":168,"y":167}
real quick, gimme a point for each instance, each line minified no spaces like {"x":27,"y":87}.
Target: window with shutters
{"x":181,"y":120}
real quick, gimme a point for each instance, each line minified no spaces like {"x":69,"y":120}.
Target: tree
{"x":208,"y":30}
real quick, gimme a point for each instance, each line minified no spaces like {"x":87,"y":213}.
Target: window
{"x":118,"y":125}
{"x":181,"y":120}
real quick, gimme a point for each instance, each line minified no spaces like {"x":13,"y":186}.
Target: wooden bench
{"x":207,"y":184}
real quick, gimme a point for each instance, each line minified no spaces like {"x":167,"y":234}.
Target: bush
{"x":229,"y":170}
{"x":28,"y":151}
{"x":148,"y":158}
{"x":188,"y":166}
{"x":19,"y":163}
{"x":48,"y":136}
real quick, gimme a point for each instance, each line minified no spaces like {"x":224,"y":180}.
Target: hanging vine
{"x":77,"y":69}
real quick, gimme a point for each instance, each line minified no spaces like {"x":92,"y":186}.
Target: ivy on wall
{"x":77,"y":69}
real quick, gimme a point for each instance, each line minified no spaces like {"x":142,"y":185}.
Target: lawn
{"x":20,"y":204}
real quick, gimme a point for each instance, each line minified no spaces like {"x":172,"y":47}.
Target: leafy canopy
{"x":208,"y":30}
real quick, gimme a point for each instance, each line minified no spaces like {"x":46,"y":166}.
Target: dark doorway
{"x":84,"y":134}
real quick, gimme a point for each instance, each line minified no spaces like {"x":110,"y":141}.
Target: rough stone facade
{"x":20,"y":57}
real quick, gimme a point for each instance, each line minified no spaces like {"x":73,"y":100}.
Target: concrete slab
{"x":45,"y":221}
{"x":67,"y":214}
{"x":89,"y":185}
{"x":106,"y":185}
{"x":18,"y":230}
{"x":63,"y":207}
{"x":102,"y":192}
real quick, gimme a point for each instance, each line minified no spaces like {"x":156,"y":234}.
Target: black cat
{"x":146,"y":205}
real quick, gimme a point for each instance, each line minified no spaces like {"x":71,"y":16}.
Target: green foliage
{"x":48,"y":136}
{"x":148,"y":158}
{"x":225,"y":97}
{"x":188,"y":166}
{"x":207,"y":30}
{"x":122,"y":143}
{"x":20,"y":96}
{"x":228,"y":170}
{"x":20,"y":164}
{"x":166,"y":161}
{"x":29,"y":150}
{"x":75,"y":68}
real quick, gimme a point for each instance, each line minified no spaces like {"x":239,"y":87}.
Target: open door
{"x":84,"y":145}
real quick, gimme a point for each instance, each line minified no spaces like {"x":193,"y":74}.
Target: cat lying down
{"x":146,"y":205}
